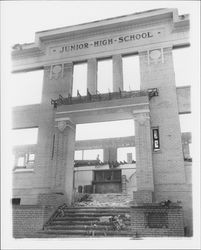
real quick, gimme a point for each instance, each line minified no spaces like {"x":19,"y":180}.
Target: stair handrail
{"x":56,"y":213}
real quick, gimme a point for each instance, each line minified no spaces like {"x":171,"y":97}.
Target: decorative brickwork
{"x":155,"y":220}
{"x":27,"y":220}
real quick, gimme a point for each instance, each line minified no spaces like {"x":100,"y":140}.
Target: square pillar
{"x":112,"y":154}
{"x":117,"y":73}
{"x":186,"y":150}
{"x":58,"y":80}
{"x":92,"y":75}
{"x":64,"y":158}
{"x":157,"y":71}
{"x":144,"y":168}
{"x":106,"y":154}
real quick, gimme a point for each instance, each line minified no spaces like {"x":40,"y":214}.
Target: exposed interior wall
{"x":84,"y":175}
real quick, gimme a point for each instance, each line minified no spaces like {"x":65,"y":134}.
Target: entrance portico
{"x":67,"y":116}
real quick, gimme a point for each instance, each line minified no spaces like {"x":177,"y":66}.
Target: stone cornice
{"x":22,"y":52}
{"x":136,"y":18}
{"x":132,"y":19}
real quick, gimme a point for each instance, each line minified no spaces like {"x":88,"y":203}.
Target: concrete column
{"x":112,"y":154}
{"x":106,"y":154}
{"x":64,"y":158}
{"x":144,"y":168}
{"x":68,"y":76}
{"x":186,"y":150}
{"x":117,"y":73}
{"x":92,"y":75}
{"x":157,"y":71}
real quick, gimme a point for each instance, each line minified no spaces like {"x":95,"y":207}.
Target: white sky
{"x":19,"y":22}
{"x":105,"y":130}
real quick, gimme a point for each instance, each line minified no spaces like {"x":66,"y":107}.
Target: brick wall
{"x":142,"y":196}
{"x":28,"y":219}
{"x":167,"y":222}
{"x":182,"y":193}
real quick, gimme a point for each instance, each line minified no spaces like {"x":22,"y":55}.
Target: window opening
{"x":78,"y":155}
{"x":24,"y":136}
{"x":93,"y":154}
{"x":126,"y":154}
{"x":103,"y":130}
{"x":21,"y":161}
{"x":31,"y":158}
{"x":25,"y":161}
{"x":16,"y":201}
{"x":156,"y":141}
{"x":183,"y":76}
{"x":131,"y":72}
{"x":26,"y":88}
{"x":105,"y":77}
{"x":80,"y":79}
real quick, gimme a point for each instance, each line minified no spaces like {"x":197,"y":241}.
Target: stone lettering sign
{"x":66,"y":48}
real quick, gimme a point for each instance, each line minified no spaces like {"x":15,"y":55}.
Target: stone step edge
{"x":53,"y":223}
{"x":67,"y":232}
{"x":76,"y":219}
{"x":72,"y":227}
{"x":44,"y":235}
{"x":97,"y":207}
{"x":92,"y":214}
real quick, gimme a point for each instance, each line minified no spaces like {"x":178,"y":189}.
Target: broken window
{"x":21,"y":161}
{"x":31,"y":158}
{"x":25,"y":160}
{"x":185,"y":122}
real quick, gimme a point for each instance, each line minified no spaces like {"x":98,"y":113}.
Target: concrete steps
{"x":89,"y":222}
{"x":79,"y":227}
{"x":88,"y":233}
